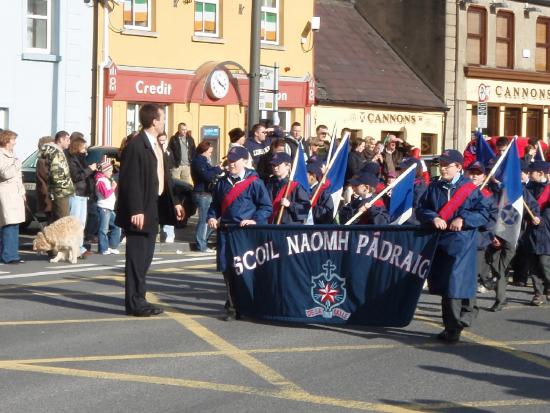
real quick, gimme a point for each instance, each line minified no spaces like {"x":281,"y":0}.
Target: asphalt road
{"x":67,"y":346}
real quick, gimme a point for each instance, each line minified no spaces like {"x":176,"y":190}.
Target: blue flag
{"x":484,"y":153}
{"x":510,"y":208}
{"x":337,"y":173}
{"x":401,"y":200}
{"x":299,"y":172}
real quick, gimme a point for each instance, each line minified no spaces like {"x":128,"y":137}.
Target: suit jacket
{"x":138,"y":188}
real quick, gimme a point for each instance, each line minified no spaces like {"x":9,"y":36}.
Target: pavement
{"x":67,"y":346}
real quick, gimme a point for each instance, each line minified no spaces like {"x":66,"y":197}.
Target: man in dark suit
{"x":144,"y":200}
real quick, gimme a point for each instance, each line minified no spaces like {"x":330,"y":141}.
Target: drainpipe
{"x":101,"y":81}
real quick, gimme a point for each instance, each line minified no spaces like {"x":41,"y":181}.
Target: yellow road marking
{"x":499,"y":345}
{"x":66,"y":280}
{"x":204,"y":385}
{"x":240,"y":356}
{"x":85,"y":320}
{"x":216,"y":353}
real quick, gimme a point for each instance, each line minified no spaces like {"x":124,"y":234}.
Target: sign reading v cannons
{"x":328,"y":274}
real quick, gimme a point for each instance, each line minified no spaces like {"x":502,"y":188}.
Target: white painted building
{"x":46,"y":69}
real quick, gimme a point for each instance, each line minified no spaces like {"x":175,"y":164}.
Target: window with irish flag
{"x":206,"y":18}
{"x":270,"y":21}
{"x":137,"y":14}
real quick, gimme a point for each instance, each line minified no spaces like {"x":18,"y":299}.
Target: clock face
{"x":219,"y":85}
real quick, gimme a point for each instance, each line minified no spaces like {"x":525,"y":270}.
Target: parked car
{"x":95,"y":154}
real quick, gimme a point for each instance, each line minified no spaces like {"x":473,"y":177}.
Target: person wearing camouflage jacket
{"x":60,"y":184}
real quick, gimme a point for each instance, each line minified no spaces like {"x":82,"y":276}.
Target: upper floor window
{"x":543,"y":45}
{"x":207,"y":18}
{"x":476,"y":42}
{"x":504,"y":53}
{"x":39,"y":26}
{"x":270,"y":22}
{"x":137,"y":14}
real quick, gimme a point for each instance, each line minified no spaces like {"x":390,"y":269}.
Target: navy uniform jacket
{"x":453,"y":272}
{"x":375,"y":215}
{"x":323,"y":211}
{"x":299,"y":207}
{"x":486,"y":233}
{"x":254,"y":203}
{"x":537,"y":237}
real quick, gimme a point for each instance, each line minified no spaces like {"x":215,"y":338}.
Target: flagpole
{"x":540,"y":150}
{"x":497,"y":165}
{"x":494,"y":170}
{"x":383,"y":192}
{"x":332,"y":138}
{"x":331,"y":162}
{"x":287,"y":189}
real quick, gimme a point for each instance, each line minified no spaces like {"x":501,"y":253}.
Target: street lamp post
{"x":254,"y":72}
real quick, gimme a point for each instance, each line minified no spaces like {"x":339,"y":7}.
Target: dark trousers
{"x":499,"y":260}
{"x":541,"y":274}
{"x":520,"y":264}
{"x":230,"y":301}
{"x":458,"y":313}
{"x":483,"y":269}
{"x":60,"y":208}
{"x":140,"y":248}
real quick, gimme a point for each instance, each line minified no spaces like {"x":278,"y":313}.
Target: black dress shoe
{"x":497,"y":307}
{"x":146,"y":312}
{"x":449,"y":336}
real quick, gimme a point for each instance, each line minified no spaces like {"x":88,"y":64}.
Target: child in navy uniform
{"x":364,"y":188}
{"x":321,"y":201}
{"x":296,"y":204}
{"x":538,"y":235}
{"x":455,"y":204}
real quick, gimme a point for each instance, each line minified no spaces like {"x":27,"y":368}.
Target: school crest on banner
{"x":328,"y":291}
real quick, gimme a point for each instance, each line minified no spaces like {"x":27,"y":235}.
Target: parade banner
{"x":328,"y":274}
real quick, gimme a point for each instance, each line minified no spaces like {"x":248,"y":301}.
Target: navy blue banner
{"x":328,"y":274}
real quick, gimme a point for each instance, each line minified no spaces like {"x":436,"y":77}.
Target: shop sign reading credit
{"x":162,"y":88}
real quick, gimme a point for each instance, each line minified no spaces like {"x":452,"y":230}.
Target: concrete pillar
{"x":523,"y":121}
{"x":501,"y":110}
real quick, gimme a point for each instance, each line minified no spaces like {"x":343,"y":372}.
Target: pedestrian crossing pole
{"x":254,"y":72}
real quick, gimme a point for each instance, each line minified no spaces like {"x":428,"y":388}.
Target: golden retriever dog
{"x":63,"y":237}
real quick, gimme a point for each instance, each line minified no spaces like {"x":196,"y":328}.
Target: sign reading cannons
{"x":328,"y":274}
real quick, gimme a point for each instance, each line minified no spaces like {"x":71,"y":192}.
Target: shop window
{"x":504,"y":52}
{"x":492,"y":121}
{"x":4,"y":118}
{"x":476,"y":43}
{"x":512,"y":122}
{"x":543,"y":45}
{"x":428,"y":144}
{"x":207,"y":18}
{"x":534,"y":123}
{"x":137,"y":14}
{"x":39,"y":19}
{"x":269,"y":32}
{"x":284,"y":118}
{"x":385,"y":133}
{"x":132,"y":117}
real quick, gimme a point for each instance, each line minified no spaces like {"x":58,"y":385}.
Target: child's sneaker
{"x":108,"y":252}
{"x":114,"y":251}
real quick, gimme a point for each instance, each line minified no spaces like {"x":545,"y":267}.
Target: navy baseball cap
{"x":476,"y":166}
{"x":538,"y":166}
{"x":280,"y":157}
{"x":451,"y":156}
{"x":365,"y":178}
{"x":236,"y":153}
{"x":315,"y":168}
